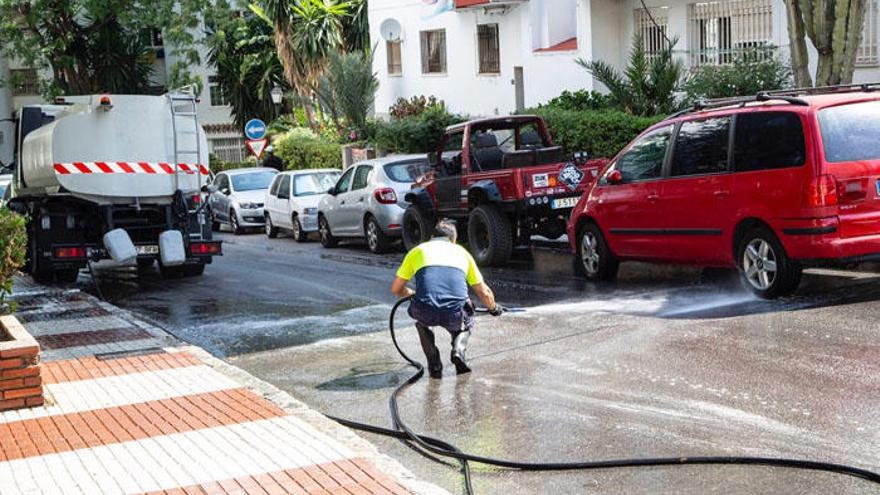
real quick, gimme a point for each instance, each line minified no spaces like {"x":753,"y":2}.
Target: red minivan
{"x":768,"y":184}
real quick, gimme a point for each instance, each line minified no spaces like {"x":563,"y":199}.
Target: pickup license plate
{"x":149,"y":249}
{"x":564,"y":203}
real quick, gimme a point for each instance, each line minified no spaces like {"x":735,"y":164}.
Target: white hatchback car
{"x":292,"y":201}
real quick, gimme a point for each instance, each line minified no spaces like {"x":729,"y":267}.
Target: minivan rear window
{"x":768,"y":140}
{"x":406,"y":171}
{"x":851,"y":132}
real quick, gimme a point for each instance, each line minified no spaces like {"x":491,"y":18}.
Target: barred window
{"x":228,"y":149}
{"x":24,"y":82}
{"x":488,"y":50}
{"x":392,"y":50}
{"x":867,"y":52}
{"x":651,"y":25}
{"x":717,"y":31}
{"x":433,"y":51}
{"x":218,"y":98}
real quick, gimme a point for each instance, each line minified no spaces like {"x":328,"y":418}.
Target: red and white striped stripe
{"x":128,"y":168}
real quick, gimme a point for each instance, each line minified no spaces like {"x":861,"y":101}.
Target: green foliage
{"x":416,"y":134}
{"x":13,"y":246}
{"x":414,"y":106}
{"x":647,"y":85}
{"x":580,"y":100}
{"x":601,"y":133}
{"x":348,"y":87}
{"x":356,"y":27}
{"x":242,"y":50}
{"x":750,"y":73}
{"x":301,"y":148}
{"x":90,"y":46}
{"x":218,"y":165}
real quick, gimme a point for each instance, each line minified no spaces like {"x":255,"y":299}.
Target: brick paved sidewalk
{"x":127,"y":412}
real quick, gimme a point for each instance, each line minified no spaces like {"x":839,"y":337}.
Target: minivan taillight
{"x":386,"y":196}
{"x":821,"y":191}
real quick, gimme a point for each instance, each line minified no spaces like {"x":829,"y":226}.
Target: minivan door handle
{"x":652,"y":198}
{"x":723,"y":194}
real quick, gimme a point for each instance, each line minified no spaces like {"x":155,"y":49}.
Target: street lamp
{"x":277,"y":95}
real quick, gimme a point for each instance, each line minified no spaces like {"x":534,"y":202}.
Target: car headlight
{"x":250,"y":206}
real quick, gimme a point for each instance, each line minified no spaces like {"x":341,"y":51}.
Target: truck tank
{"x":117,"y":153}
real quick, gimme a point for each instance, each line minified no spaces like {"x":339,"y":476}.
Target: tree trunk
{"x":854,"y":39}
{"x":835,"y":29}
{"x":797,"y":39}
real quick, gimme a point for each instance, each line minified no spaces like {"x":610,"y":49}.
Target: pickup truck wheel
{"x":594,"y":260}
{"x":490,"y":236}
{"x":416,"y":227}
{"x":327,"y":238}
{"x":764,"y":267}
{"x":271,"y":230}
{"x":377,"y":241}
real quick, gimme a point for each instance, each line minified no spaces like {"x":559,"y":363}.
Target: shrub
{"x":301,"y":148}
{"x":415,"y":106}
{"x":601,"y":133}
{"x":348,"y":86}
{"x":580,"y":100}
{"x":414,"y":134}
{"x":749,"y":74}
{"x":13,"y":246}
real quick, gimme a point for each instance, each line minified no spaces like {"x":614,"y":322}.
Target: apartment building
{"x":488,"y":57}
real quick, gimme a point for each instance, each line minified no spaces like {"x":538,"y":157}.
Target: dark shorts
{"x":453,"y":321}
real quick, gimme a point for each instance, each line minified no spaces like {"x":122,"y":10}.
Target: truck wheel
{"x":182,"y":271}
{"x":327,"y":239}
{"x":764,"y":267}
{"x":299,"y":235}
{"x":233,"y":223}
{"x":416,"y":227}
{"x":377,"y":241}
{"x":594,"y":260}
{"x":490,"y":236}
{"x":68,"y":276}
{"x":271,"y":230}
{"x":38,"y":266}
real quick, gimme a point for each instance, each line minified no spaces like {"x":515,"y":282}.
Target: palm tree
{"x":306,"y":33}
{"x":648,"y":84}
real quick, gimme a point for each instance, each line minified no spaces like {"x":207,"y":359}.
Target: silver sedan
{"x":237,"y":199}
{"x":367,"y":201}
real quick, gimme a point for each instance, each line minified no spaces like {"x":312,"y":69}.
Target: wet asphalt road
{"x":662,"y":363}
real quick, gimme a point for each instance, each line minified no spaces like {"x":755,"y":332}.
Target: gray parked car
{"x":238,"y":198}
{"x":367,"y":201}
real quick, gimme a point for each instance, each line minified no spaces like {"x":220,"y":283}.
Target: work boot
{"x":432,"y":354}
{"x":459,"y":347}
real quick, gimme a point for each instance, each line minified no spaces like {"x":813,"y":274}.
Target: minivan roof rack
{"x":737,"y":100}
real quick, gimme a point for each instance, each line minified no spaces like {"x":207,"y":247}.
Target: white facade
{"x":543,"y":38}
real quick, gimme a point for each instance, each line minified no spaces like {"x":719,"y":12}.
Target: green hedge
{"x":413,"y":134}
{"x":301,"y":148}
{"x":601,"y":133}
{"x":13,"y":244}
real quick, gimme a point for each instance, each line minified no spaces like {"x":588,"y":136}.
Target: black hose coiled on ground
{"x":445,"y":449}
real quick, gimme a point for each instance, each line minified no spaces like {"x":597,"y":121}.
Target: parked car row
{"x":767,"y":185}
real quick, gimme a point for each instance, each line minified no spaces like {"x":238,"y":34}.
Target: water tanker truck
{"x":112,"y":177}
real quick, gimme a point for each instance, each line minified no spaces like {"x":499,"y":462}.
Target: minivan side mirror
{"x":614,"y":177}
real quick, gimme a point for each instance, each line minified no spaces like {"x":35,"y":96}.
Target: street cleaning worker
{"x":272,"y":161}
{"x":442,"y":271}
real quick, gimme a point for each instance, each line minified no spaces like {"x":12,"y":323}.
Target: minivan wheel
{"x":594,"y":261}
{"x":271,"y":230}
{"x":416,"y":227}
{"x":327,"y":239}
{"x":764,"y":267}
{"x":377,"y":241}
{"x":490,"y":236}
{"x":298,"y":234}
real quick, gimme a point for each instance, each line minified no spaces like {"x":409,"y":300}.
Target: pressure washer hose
{"x":445,"y":449}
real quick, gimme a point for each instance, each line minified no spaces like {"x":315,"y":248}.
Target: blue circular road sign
{"x":255,"y":129}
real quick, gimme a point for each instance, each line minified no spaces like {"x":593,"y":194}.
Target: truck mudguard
{"x":421,"y":198}
{"x":487,"y":189}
